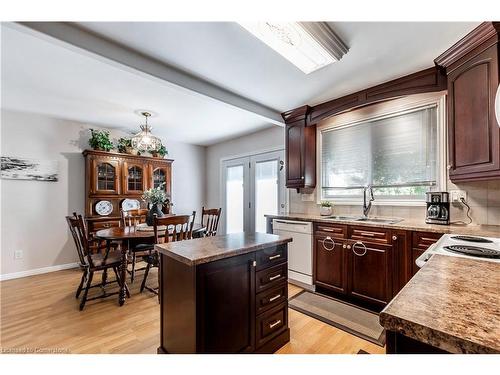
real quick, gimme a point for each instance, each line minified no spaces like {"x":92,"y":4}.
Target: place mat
{"x":143,"y":227}
{"x":359,"y":322}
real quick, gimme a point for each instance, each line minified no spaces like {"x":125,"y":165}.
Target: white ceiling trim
{"x":119,"y":54}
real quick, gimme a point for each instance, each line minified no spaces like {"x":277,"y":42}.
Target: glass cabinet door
{"x":160,"y":176}
{"x":134,"y":179}
{"x":105,"y":179}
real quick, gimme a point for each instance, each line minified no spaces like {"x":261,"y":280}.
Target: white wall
{"x":33,"y":212}
{"x":251,"y":143}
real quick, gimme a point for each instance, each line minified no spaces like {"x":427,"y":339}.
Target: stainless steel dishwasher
{"x":299,"y":250}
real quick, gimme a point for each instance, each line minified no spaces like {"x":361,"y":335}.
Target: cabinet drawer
{"x":370,"y":234}
{"x":271,"y":277}
{"x":422,"y":240}
{"x":271,"y":256}
{"x":94,"y":226}
{"x":271,"y":298}
{"x":271,"y":323}
{"x":332,"y":230}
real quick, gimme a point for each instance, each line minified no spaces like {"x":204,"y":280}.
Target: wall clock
{"x":104,"y":208}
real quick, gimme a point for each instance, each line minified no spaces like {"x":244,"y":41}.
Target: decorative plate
{"x":104,"y":208}
{"x":130,"y":204}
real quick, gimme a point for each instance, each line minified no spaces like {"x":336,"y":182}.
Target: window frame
{"x":380,"y":111}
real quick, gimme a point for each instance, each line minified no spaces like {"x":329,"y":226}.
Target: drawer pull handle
{"x":328,"y":248}
{"x":274,"y":298}
{"x":367,"y":234}
{"x":354,"y":248}
{"x":275,"y":277}
{"x":272,"y":325}
{"x":275,"y":257}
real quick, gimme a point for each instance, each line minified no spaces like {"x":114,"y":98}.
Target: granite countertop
{"x":452,"y":303}
{"x":416,"y":225}
{"x":208,"y":249}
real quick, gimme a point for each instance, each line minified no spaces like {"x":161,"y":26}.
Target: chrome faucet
{"x":367,"y":206}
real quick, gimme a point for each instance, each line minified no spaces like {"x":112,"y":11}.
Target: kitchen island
{"x":451,"y":305}
{"x":224,"y":294}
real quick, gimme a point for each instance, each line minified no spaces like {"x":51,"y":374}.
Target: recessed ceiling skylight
{"x":308,"y":45}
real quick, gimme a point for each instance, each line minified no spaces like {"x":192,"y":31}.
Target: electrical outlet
{"x":18,"y":254}
{"x":457,"y":195}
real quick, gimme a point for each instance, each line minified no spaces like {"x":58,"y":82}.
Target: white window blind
{"x":396,"y":154}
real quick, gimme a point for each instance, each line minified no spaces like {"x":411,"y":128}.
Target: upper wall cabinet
{"x":300,"y":141}
{"x":472,"y":68}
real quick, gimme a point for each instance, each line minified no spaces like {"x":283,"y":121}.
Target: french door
{"x":252,"y":187}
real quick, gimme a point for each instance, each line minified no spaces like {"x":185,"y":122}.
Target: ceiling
{"x":42,"y":75}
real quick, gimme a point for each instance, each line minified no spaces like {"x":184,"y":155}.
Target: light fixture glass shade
{"x":308,"y":45}
{"x":145,"y":140}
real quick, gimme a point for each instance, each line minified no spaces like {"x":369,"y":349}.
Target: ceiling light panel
{"x":308,"y":45}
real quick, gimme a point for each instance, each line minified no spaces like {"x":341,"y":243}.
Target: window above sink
{"x":397,"y":146}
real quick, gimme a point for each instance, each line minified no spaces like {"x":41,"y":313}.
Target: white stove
{"x":472,"y":247}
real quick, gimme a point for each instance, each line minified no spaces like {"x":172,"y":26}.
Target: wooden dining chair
{"x":167,"y":229}
{"x":210,"y":220}
{"x":91,"y":263}
{"x":132,"y":218}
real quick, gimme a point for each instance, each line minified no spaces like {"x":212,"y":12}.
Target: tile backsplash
{"x":483,"y":198}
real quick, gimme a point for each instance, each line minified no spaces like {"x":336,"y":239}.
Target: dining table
{"x":126,"y":235}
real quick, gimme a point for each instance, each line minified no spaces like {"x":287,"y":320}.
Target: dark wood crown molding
{"x":428,"y":80}
{"x":296,"y":114}
{"x":486,"y":32}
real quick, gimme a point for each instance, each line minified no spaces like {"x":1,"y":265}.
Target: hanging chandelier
{"x":145,"y":140}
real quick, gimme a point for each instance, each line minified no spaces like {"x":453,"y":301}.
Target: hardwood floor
{"x":40,"y":314}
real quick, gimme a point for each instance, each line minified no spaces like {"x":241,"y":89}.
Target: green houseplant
{"x":160,"y":153}
{"x":326,"y":208}
{"x":125,"y":146}
{"x":99,"y":140}
{"x":155,"y":197}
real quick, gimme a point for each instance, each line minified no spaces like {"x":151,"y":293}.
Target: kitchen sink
{"x":379,"y":220}
{"x":348,"y":218}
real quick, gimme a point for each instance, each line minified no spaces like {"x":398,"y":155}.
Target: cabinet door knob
{"x":394,"y":238}
{"x":344,"y":246}
{"x":302,"y":178}
{"x":348,"y":247}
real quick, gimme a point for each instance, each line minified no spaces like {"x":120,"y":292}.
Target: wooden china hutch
{"x":113,"y":180}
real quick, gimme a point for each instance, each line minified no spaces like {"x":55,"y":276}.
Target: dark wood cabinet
{"x":233,"y":305}
{"x":300,"y":145}
{"x":226,"y":308}
{"x":472,"y":67}
{"x":370,"y":272}
{"x":330,"y":263}
{"x":355,"y":262}
{"x":112,"y":177}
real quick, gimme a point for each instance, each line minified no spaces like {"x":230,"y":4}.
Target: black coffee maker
{"x":438,"y":207}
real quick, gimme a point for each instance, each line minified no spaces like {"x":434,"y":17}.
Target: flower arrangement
{"x":155,"y":196}
{"x":99,"y":140}
{"x":326,"y":204}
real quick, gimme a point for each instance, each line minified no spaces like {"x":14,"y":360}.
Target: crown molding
{"x":486,"y":32}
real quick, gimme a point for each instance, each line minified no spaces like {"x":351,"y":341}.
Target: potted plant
{"x":160,"y":153}
{"x":125,"y":146}
{"x":326,"y":208}
{"x":155,"y":197}
{"x":99,"y":140}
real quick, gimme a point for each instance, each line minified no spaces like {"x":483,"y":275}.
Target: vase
{"x":155,"y":209}
{"x":326,"y":211}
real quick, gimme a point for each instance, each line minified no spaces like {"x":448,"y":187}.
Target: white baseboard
{"x":17,"y":275}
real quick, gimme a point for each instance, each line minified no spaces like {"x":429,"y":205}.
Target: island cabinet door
{"x":370,"y":272}
{"x":330,"y":265}
{"x":226,"y":305}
